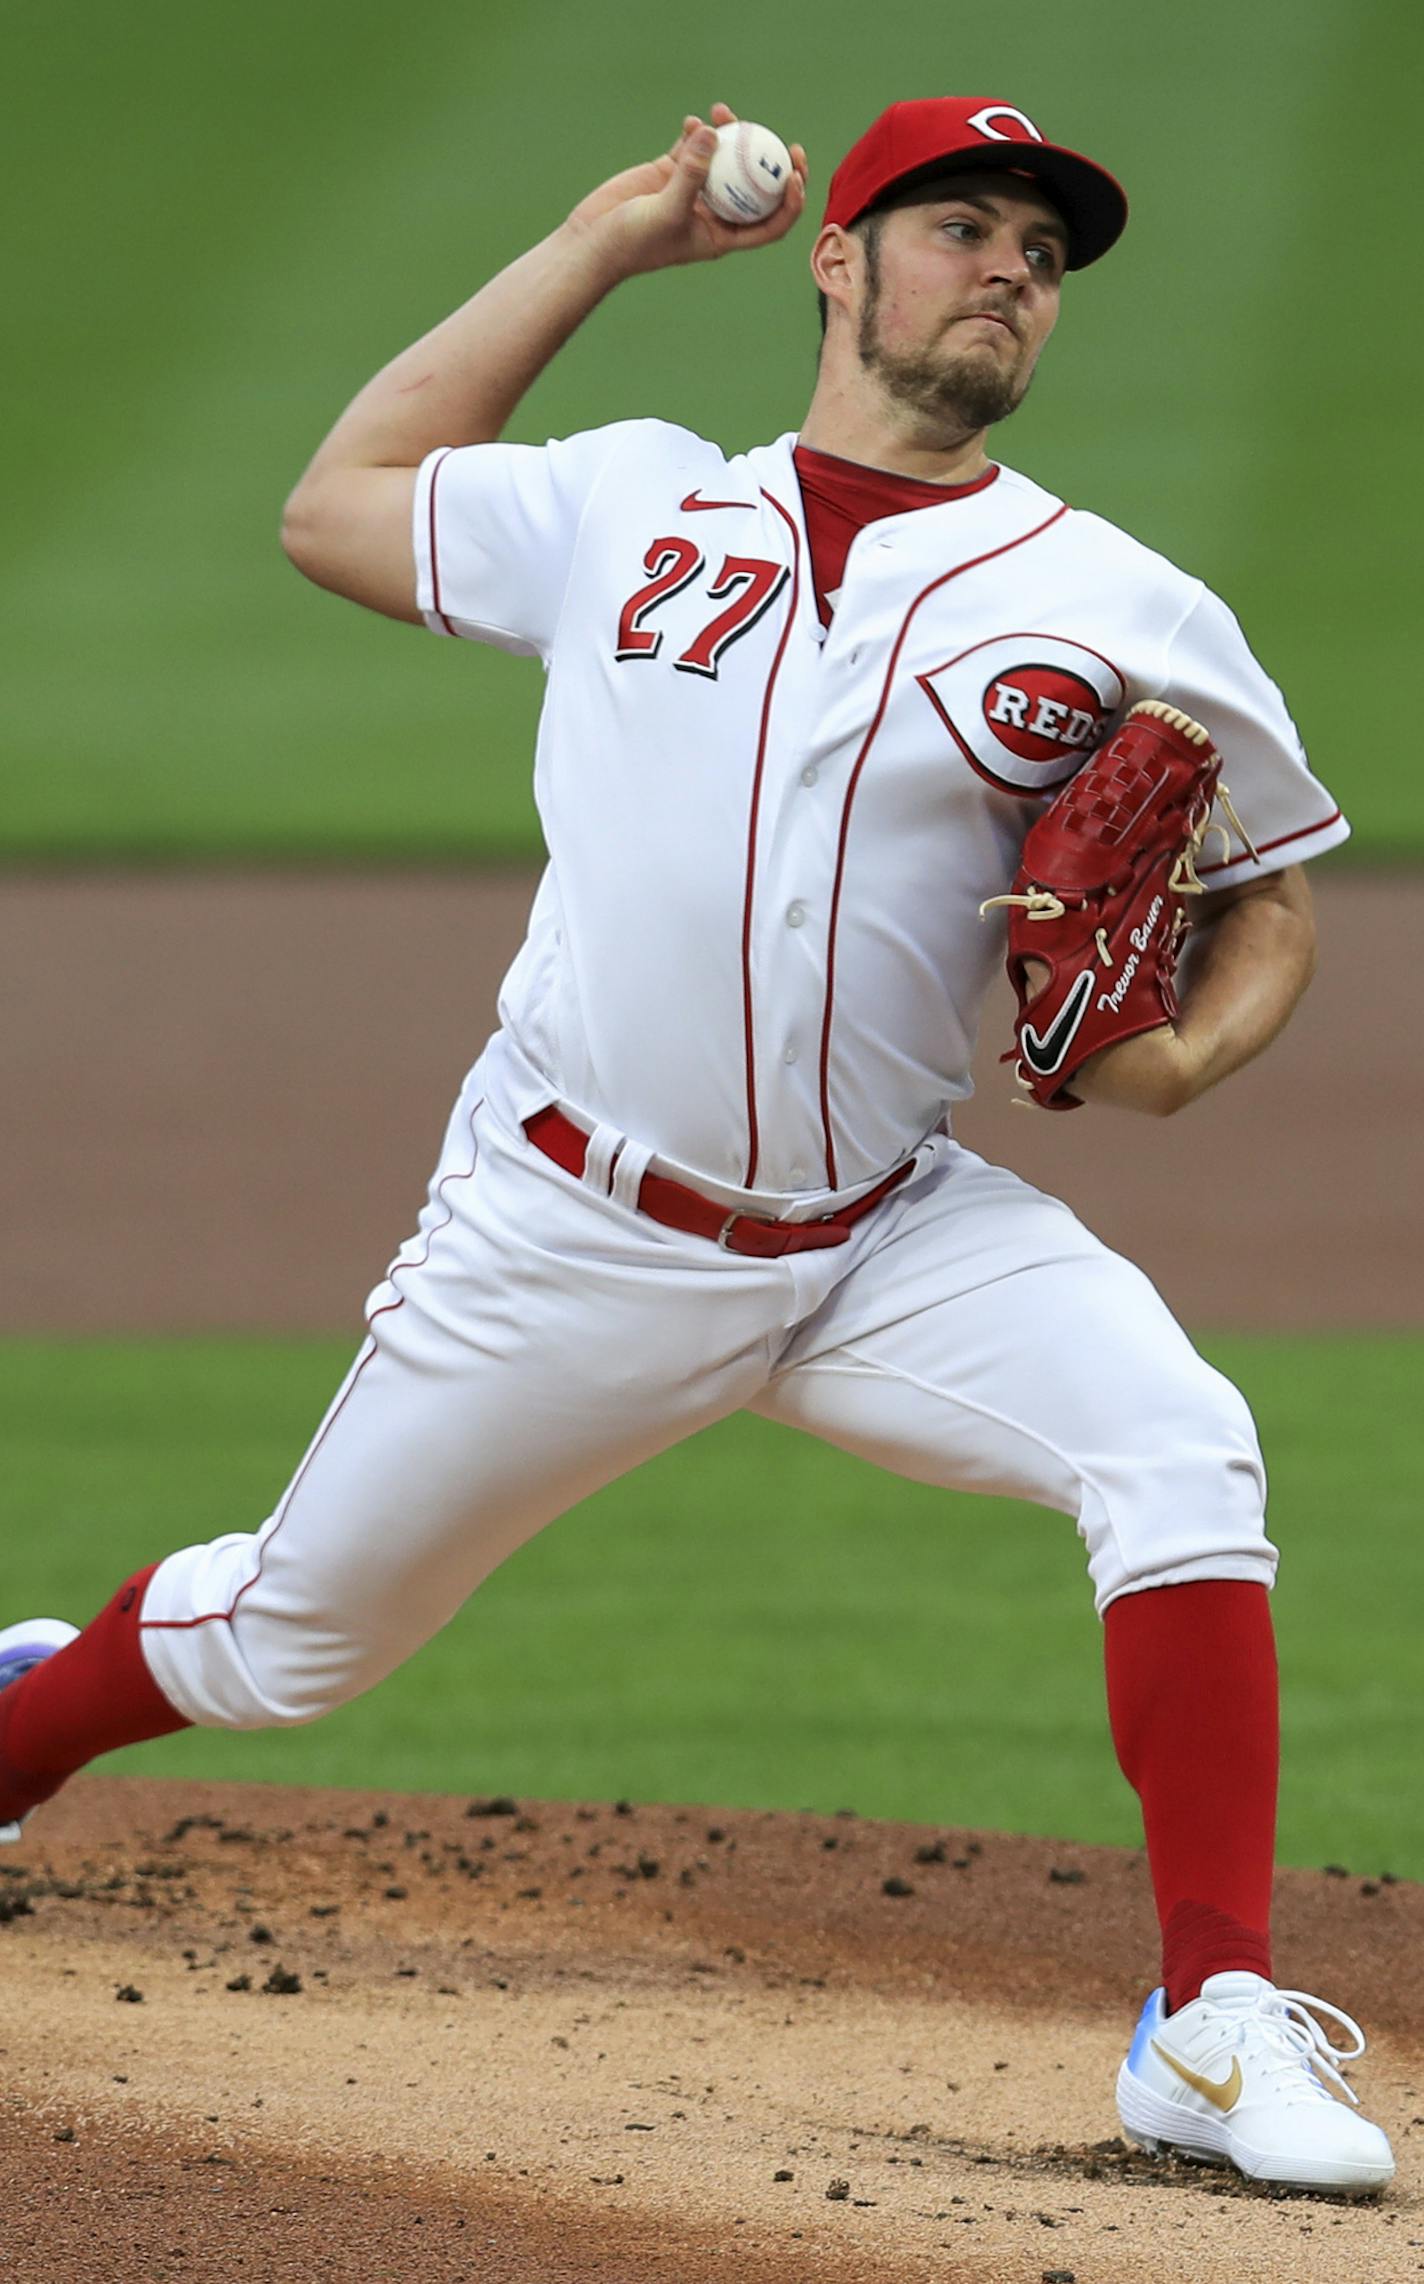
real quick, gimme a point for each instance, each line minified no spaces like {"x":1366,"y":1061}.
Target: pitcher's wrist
{"x":597,"y":250}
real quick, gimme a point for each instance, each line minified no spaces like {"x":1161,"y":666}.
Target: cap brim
{"x":1092,"y":204}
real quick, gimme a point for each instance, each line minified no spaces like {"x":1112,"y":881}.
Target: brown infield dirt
{"x":261,"y":2033}
{"x":253,"y":2034}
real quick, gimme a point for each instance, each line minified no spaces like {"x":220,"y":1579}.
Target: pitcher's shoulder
{"x":1109,"y":547}
{"x":660,"y":450}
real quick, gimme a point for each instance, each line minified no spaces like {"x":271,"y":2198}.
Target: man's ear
{"x":833,"y":263}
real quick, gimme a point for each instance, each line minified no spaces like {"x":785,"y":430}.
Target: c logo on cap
{"x":1023,"y":129}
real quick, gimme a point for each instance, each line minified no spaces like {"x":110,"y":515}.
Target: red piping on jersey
{"x":223,"y":1617}
{"x":860,"y":760}
{"x":434,"y":562}
{"x":1263,"y":848}
{"x":747,"y":1024}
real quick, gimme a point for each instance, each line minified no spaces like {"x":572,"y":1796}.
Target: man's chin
{"x":979,"y":383}
{"x":978,"y":390}
{"x":994,"y":352}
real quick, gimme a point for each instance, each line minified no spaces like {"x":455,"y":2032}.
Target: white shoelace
{"x":1289,"y":2026}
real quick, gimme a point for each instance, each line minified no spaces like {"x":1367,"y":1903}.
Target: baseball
{"x":749,"y":172}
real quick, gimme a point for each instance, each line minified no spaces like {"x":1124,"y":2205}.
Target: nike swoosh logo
{"x":695,"y":501}
{"x":1045,"y":1053}
{"x":1224,"y":2096}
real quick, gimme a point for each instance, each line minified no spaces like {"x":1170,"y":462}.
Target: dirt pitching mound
{"x":252,"y":2034}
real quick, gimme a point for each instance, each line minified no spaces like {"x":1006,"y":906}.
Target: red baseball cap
{"x":920,"y":140}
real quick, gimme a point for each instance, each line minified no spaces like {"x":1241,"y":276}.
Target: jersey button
{"x":810,"y":774}
{"x":788,"y":1054}
{"x":795,"y":915}
{"x":796,"y":1175}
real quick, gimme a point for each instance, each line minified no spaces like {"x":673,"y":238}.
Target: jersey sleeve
{"x":495,"y":527}
{"x":1213,"y":675}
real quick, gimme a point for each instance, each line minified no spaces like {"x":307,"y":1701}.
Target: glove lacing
{"x":1184,"y":878}
{"x":1042,"y":904}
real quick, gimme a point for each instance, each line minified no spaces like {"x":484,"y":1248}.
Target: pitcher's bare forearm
{"x":1248,"y":963}
{"x":347,"y":522}
{"x":1245,"y":971}
{"x":461,"y":381}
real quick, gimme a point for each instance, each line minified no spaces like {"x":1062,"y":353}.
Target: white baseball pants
{"x":538,"y":1338}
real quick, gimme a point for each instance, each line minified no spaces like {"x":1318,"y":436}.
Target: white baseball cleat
{"x":21,"y":1647}
{"x":1247,"y":2074}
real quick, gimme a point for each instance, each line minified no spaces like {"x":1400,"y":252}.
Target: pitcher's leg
{"x":1193,"y":1703}
{"x":992,"y":1344}
{"x":989,"y":1342}
{"x":540,"y":1342}
{"x":59,"y":1707}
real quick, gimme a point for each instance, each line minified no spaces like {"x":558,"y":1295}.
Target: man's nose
{"x":1006,"y":263}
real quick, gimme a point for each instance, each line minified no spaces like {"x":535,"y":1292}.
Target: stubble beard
{"x":955,"y":395}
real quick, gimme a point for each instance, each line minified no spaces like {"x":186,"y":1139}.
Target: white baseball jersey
{"x":757,"y":947}
{"x":757,"y":954}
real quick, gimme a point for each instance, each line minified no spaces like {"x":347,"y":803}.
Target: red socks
{"x":1191,"y":1679}
{"x":1192,"y":1698}
{"x":87,"y":1699}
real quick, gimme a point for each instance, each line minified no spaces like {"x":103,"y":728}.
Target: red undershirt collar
{"x":876,"y":491}
{"x":841,"y":497}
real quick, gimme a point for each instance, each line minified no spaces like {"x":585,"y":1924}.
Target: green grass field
{"x":221,"y":220}
{"x":756,"y":1619}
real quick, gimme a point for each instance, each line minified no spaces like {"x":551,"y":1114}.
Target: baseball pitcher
{"x":831,"y":727}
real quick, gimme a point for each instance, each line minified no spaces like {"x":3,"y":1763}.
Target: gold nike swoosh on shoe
{"x":1222,"y":2097}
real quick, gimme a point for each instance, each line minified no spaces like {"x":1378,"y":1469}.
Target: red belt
{"x":678,"y":1207}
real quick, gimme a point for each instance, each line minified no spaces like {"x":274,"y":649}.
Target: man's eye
{"x":1043,"y":257}
{"x":971,"y":227}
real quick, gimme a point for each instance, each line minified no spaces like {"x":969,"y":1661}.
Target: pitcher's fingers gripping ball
{"x":1100,"y":896}
{"x":749,"y":174}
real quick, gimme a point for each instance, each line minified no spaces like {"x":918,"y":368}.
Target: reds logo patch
{"x":1038,"y":711}
{"x":1025,"y":709}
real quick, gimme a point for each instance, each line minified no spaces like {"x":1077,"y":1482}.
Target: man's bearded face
{"x":960,"y":296}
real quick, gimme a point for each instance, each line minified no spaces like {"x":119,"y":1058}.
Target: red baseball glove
{"x":1100,"y":896}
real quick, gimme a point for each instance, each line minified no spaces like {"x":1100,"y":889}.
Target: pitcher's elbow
{"x":300,"y":532}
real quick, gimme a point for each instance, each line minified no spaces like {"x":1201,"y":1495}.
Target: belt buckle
{"x":767,"y":1250}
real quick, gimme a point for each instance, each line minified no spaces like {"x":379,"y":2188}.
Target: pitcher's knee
{"x":1183,"y":1499}
{"x":226,"y":1661}
{"x":244,"y":1672}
